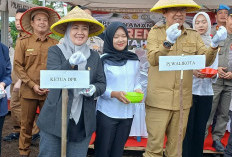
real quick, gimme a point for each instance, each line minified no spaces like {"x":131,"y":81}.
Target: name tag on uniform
{"x":173,"y":63}
{"x":64,"y":79}
{"x":30,"y":49}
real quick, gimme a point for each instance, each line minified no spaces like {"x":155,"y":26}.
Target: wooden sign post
{"x":64,"y":79}
{"x":174,"y":63}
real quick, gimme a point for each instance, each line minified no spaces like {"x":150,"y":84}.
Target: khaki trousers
{"x":28,"y":113}
{"x":161,"y":121}
{"x":15,"y":108}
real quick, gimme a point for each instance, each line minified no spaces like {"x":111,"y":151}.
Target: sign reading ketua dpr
{"x":64,"y":79}
{"x":173,"y":63}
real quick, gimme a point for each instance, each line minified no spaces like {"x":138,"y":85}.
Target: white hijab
{"x":205,"y":37}
{"x":68,"y":48}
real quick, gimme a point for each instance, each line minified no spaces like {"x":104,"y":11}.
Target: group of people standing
{"x":37,"y":51}
{"x":112,"y":75}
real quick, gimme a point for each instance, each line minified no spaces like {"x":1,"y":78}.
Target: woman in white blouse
{"x":114,"y":111}
{"x":202,"y":96}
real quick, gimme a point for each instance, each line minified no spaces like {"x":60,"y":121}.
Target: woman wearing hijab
{"x":114,"y":111}
{"x":5,"y":80}
{"x":202,"y":95}
{"x":72,"y":54}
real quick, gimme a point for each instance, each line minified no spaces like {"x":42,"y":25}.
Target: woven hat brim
{"x":190,"y":7}
{"x":25,"y":20}
{"x":95,"y":27}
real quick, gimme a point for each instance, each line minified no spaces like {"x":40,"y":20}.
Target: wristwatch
{"x":167,"y":44}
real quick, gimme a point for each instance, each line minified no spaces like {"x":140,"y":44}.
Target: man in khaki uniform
{"x":14,"y":89}
{"x":163,"y":90}
{"x":31,"y":57}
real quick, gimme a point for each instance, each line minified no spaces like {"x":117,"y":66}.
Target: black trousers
{"x":1,"y":126}
{"x":111,"y":135}
{"x":195,"y":134}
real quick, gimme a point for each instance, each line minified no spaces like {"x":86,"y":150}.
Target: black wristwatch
{"x":167,"y":44}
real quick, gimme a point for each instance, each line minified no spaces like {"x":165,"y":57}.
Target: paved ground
{"x":10,"y":149}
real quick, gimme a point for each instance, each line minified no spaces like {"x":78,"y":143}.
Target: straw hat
{"x":25,"y":20}
{"x":163,"y":4}
{"x":77,"y":14}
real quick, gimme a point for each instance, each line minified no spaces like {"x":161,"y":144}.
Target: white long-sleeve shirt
{"x":119,"y":78}
{"x":203,"y":87}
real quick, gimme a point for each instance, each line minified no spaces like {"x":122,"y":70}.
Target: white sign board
{"x":173,"y":63}
{"x":64,"y":79}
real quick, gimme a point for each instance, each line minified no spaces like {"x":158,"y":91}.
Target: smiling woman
{"x":202,"y":95}
{"x":79,"y":32}
{"x":72,"y":54}
{"x":114,"y":111}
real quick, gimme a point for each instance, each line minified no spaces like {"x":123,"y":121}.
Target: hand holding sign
{"x":88,"y":91}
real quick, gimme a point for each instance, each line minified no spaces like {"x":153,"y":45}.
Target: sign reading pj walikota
{"x":64,"y":79}
{"x":172,"y":63}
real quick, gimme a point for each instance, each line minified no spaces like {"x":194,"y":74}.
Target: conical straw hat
{"x":25,"y":20}
{"x":77,"y":14}
{"x":162,"y":4}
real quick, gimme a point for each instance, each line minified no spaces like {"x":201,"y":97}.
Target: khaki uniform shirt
{"x":164,"y":86}
{"x":21,"y":36}
{"x":31,"y":57}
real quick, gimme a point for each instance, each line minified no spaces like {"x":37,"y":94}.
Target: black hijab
{"x":112,"y":56}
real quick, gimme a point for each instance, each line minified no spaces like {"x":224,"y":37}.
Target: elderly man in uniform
{"x":221,"y":16}
{"x":163,"y":95}
{"x":14,"y":90}
{"x":31,"y":57}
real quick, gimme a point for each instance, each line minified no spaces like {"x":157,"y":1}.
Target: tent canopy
{"x":136,"y":5}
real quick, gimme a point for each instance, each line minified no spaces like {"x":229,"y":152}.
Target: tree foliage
{"x":14,"y":32}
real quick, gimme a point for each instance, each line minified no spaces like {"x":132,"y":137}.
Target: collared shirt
{"x":119,"y":78}
{"x":163,"y":89}
{"x":31,"y":57}
{"x":203,"y":86}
